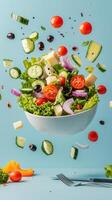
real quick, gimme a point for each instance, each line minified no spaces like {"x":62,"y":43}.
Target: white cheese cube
{"x":17,"y":125}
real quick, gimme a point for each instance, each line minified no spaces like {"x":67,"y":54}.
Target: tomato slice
{"x":40,"y":101}
{"x":77,"y":82}
{"x":56,"y":21}
{"x":85,"y":28}
{"x":93,"y":136}
{"x":62,"y":80}
{"x":50,"y":92}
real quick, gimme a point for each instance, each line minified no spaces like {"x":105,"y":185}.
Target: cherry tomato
{"x":78,"y":106}
{"x":102,"y":89}
{"x":40,"y":101}
{"x":93,"y":136}
{"x":56,"y":21}
{"x":50,"y":92}
{"x":15,"y":176}
{"x":85,"y":28}
{"x":77,"y":82}
{"x":62,"y":80}
{"x":62,"y":51}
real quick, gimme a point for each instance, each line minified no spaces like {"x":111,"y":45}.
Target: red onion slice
{"x":38,"y":94}
{"x":15,"y":92}
{"x":67,"y":64}
{"x":79,"y":93}
{"x":67,"y":105}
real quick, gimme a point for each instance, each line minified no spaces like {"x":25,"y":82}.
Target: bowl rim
{"x":62,"y":116}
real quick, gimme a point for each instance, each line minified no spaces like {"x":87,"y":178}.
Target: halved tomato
{"x":77,"y":82}
{"x":50,"y":92}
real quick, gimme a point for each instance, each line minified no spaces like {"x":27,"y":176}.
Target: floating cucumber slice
{"x":26,"y":90}
{"x":7,"y":62}
{"x":35,"y":71}
{"x":20,"y":141}
{"x":94,"y":50}
{"x":74,"y":152}
{"x":34,"y":36}
{"x":15,"y":72}
{"x":77,"y":60}
{"x":20,"y":19}
{"x":101,"y":67}
{"x":47,"y":147}
{"x":28,"y":45}
{"x":89,"y":69}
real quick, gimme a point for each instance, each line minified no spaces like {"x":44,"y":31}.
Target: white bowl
{"x":68,"y":124}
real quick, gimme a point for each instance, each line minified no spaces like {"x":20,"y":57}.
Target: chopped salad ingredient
{"x":40,"y":101}
{"x":47,"y":147}
{"x":93,"y":136}
{"x":20,"y":19}
{"x":102,"y":122}
{"x":15,"y":92}
{"x":110,"y":104}
{"x":77,"y":60}
{"x":50,"y":38}
{"x":41,"y":46}
{"x":50,"y":92}
{"x":32,"y":147}
{"x":11,"y":36}
{"x":101,"y":67}
{"x":101,"y":89}
{"x":15,"y":72}
{"x":20,"y":141}
{"x":34,"y":36}
{"x":89,"y":69}
{"x":74,"y":152}
{"x":28,"y":45}
{"x":62,"y":51}
{"x":93,"y":51}
{"x":3,"y":177}
{"x":85,"y":43}
{"x":17,"y":125}
{"x":77,"y":82}
{"x":82,"y":146}
{"x":108,"y":171}
{"x":90,"y":80}
{"x":7,"y":62}
{"x":56,"y":21}
{"x":15,"y":176}
{"x":85,"y":28}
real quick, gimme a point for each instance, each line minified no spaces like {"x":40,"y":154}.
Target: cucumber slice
{"x":85,"y":43}
{"x":7,"y":62}
{"x":15,"y":72}
{"x":26,"y":90}
{"x":34,"y":36}
{"x":77,"y":60}
{"x":89,"y":69}
{"x":63,"y":73}
{"x":94,"y":50}
{"x":58,"y":110}
{"x":20,"y":19}
{"x":28,"y":45}
{"x":35,"y":71}
{"x":47,"y":147}
{"x":20,"y":141}
{"x":101,"y":67}
{"x":74,"y":152}
{"x":38,"y":82}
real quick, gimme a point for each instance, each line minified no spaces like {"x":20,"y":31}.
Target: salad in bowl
{"x":54,"y":95}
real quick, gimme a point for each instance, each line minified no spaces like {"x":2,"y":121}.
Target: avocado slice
{"x":77,"y":60}
{"x":94,"y":50}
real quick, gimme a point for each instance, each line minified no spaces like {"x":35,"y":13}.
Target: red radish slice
{"x":15,"y":92}
{"x":93,"y":136}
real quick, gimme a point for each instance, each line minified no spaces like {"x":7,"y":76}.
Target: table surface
{"x":42,"y":186}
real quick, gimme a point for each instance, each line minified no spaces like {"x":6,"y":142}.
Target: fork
{"x":70,"y":183}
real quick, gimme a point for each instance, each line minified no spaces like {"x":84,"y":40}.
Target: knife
{"x":95,"y":180}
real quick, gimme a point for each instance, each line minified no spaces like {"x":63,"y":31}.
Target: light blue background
{"x":99,"y":153}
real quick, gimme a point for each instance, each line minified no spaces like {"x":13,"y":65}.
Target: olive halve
{"x":37,"y":88}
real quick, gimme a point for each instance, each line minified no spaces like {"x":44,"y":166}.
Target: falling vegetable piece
{"x":77,"y":59}
{"x":15,"y":92}
{"x":93,"y":136}
{"x":85,"y":43}
{"x":110,"y":104}
{"x":67,"y":106}
{"x":11,"y":36}
{"x":17,"y":125}
{"x":20,"y":141}
{"x":20,"y":19}
{"x":47,"y":147}
{"x":34,"y":36}
{"x":101,"y":67}
{"x":93,"y":51}
{"x":101,"y":89}
{"x":28,"y":45}
{"x":108,"y":171}
{"x":15,"y":72}
{"x":90,"y":80}
{"x":82,"y":146}
{"x":32,"y":147}
{"x":85,"y":28}
{"x":74,"y":152}
{"x":3,"y":177}
{"x":56,"y":21}
{"x":67,"y":64}
{"x":41,"y":46}
{"x":62,"y":51}
{"x":89,"y":69}
{"x":15,"y":176}
{"x":7,"y":62}
{"x":43,"y":28}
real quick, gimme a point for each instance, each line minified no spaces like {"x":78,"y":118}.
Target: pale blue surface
{"x":99,"y":153}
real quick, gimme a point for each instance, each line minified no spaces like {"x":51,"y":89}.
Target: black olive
{"x":32,"y":147}
{"x":50,"y":38}
{"x":41,"y":46}
{"x":11,"y":36}
{"x":37,"y":88}
{"x":102,"y":122}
